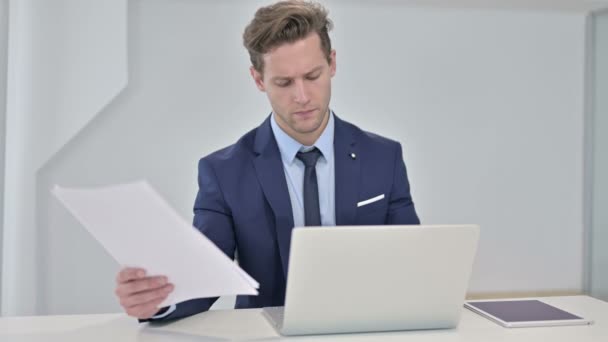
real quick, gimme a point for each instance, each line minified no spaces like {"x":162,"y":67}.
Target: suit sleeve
{"x":401,"y":206}
{"x":213,"y":218}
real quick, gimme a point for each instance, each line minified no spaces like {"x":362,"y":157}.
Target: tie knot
{"x":309,"y":158}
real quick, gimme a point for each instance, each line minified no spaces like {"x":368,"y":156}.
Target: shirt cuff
{"x":165,"y":313}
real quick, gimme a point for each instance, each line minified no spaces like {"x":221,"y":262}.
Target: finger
{"x":145,"y":311}
{"x":140,"y":285}
{"x":130,"y":273}
{"x":146,"y":296}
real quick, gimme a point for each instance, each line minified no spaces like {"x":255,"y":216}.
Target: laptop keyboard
{"x":275,"y":313}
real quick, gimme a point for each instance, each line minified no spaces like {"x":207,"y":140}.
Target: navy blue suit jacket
{"x":243,"y":204}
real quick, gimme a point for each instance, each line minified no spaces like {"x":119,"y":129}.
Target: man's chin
{"x":307,"y":126}
{"x":308,"y":129}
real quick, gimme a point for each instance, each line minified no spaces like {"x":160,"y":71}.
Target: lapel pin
{"x":354,"y":156}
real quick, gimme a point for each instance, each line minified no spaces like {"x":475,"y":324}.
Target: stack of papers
{"x":139,"y":229}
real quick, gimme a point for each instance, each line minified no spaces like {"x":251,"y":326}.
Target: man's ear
{"x":257,"y":78}
{"x":332,"y":63}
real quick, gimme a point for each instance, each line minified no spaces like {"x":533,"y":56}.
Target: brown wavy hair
{"x":285,"y":22}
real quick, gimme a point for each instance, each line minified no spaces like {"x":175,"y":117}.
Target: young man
{"x":302,"y":166}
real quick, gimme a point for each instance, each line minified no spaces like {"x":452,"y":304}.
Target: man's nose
{"x":301,"y":92}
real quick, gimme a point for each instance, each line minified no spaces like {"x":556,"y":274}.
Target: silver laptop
{"x":375,"y":278}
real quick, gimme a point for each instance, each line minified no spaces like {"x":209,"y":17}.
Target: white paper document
{"x":140,"y":229}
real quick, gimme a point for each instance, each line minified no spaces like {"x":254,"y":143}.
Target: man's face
{"x":297,"y":80}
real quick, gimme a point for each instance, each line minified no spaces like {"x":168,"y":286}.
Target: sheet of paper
{"x":139,"y":228}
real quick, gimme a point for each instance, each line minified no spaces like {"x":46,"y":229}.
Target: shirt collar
{"x":289,"y":147}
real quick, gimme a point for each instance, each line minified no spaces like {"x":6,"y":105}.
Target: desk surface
{"x":250,"y":324}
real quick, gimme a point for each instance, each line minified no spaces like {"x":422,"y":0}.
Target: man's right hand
{"x":140,"y":295}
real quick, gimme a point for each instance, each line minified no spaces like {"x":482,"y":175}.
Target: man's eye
{"x":313,"y":77}
{"x":284,"y":84}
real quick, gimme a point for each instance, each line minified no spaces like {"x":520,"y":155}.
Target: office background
{"x":501,"y":108}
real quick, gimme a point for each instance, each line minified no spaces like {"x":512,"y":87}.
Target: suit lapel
{"x":347,"y":173}
{"x":270,"y":173}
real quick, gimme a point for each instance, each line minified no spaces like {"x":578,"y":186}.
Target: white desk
{"x":251,"y":325}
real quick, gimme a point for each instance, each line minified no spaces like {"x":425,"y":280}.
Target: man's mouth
{"x":305,"y":112}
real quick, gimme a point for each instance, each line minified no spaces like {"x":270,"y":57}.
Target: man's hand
{"x":139,"y":294}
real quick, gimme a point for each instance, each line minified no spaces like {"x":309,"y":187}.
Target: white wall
{"x":67,"y":59}
{"x":599,"y":234}
{"x":3,"y":68}
{"x":488,"y":104}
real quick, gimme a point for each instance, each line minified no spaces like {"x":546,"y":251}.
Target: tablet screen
{"x":523,"y":311}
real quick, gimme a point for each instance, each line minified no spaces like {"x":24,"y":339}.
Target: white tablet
{"x":524,"y":313}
